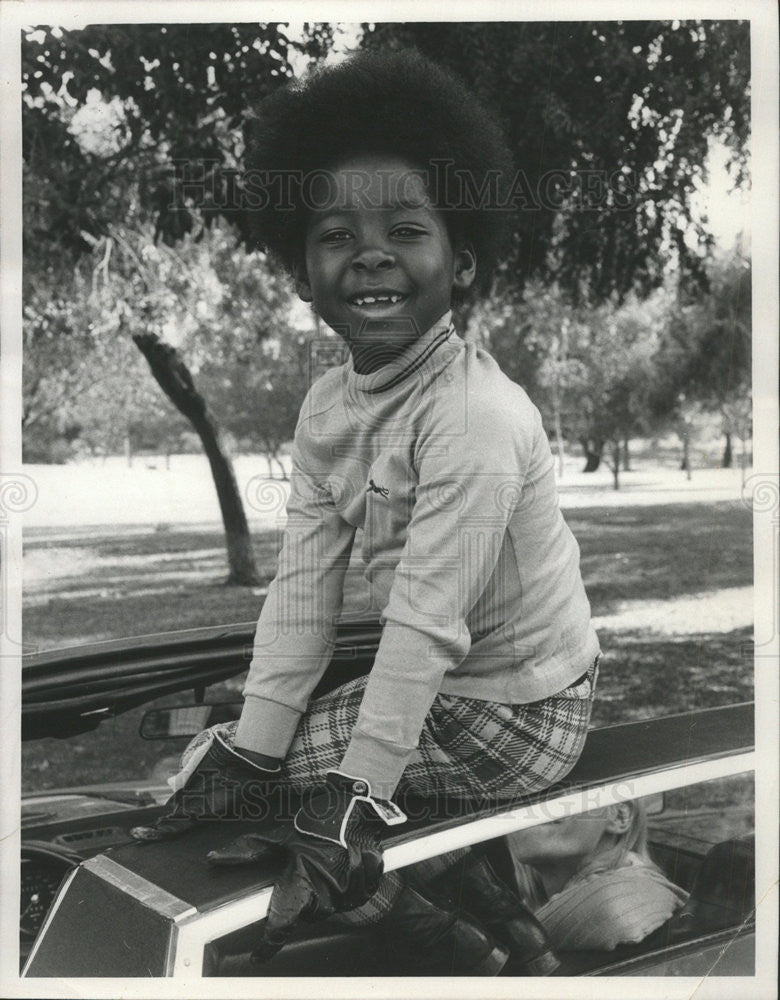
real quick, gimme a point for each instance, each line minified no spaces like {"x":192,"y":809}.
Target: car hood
{"x":69,"y":691}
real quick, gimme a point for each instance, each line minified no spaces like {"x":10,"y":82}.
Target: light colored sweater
{"x":602,"y":907}
{"x":443,"y":462}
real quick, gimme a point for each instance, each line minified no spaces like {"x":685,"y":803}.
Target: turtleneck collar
{"x":412,"y":359}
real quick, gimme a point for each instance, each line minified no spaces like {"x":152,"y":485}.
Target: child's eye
{"x":336,"y":236}
{"x":408,"y":232}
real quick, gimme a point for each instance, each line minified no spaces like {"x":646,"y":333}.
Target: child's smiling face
{"x":380,"y":267}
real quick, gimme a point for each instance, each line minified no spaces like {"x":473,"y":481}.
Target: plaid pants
{"x":468,"y":749}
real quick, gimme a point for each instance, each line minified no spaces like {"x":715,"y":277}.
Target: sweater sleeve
{"x":469,"y":482}
{"x":296,"y":629}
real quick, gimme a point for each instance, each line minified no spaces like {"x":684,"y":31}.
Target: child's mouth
{"x":376,"y":301}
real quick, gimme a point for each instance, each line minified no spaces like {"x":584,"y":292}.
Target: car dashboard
{"x":60,"y":831}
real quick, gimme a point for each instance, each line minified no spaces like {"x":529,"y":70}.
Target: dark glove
{"x":335,"y":859}
{"x":222,"y":785}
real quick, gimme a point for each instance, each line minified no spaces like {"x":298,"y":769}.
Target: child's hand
{"x":218,"y":783}
{"x":335,"y":856}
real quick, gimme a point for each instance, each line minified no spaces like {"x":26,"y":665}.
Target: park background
{"x":165,"y":360}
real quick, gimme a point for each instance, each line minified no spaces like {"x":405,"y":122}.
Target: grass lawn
{"x":661,"y":552}
{"x":87,"y":587}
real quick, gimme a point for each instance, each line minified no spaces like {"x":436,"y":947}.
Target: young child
{"x":390,"y":173}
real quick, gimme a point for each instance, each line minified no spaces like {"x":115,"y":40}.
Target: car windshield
{"x":114,"y":751}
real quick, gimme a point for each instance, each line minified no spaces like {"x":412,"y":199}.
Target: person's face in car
{"x":569,"y":843}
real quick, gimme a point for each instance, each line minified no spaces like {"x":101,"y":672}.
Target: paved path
{"x":690,"y":614}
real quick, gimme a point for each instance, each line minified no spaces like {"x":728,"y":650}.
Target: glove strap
{"x":340,"y":796}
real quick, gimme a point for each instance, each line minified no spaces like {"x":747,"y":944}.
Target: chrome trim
{"x":170,"y":951}
{"x":561,"y":806}
{"x":193,"y":934}
{"x":146,"y":892}
{"x":49,"y":917}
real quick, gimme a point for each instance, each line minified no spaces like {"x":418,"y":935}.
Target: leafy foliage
{"x":257,"y":395}
{"x":716,"y":334}
{"x":609,"y":123}
{"x":598,"y":365}
{"x":603,"y":374}
{"x":182,"y":92}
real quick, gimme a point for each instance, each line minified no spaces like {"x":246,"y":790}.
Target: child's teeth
{"x":372,"y":299}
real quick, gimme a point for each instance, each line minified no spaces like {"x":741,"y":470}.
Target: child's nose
{"x":372,"y":258}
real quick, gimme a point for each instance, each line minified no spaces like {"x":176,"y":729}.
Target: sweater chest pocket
{"x":390,"y":485}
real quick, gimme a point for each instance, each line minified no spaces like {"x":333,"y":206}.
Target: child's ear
{"x":301,"y":281}
{"x":465,"y":268}
{"x":620,"y":820}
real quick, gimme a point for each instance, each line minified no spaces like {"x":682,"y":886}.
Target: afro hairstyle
{"x":399,"y":104}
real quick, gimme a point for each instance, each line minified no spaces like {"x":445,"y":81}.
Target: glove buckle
{"x":385,"y":809}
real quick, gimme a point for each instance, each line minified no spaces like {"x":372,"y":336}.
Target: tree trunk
{"x":592,"y":454}
{"x":727,"y":454}
{"x":281,"y":468}
{"x":616,"y":465}
{"x":559,"y":441}
{"x":626,"y":456}
{"x":743,"y":459}
{"x":176,"y":382}
{"x":685,"y":465}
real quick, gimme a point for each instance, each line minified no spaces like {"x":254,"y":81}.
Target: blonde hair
{"x":634,"y":839}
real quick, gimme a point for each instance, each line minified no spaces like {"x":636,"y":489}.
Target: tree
{"x":258,"y":393}
{"x":177,"y":95}
{"x":186,"y":309}
{"x":705,"y":353}
{"x":720,"y":329}
{"x":738,"y":414}
{"x":535,"y":343}
{"x":617,"y":351}
{"x":56,"y":344}
{"x":609,"y":123}
{"x":593,"y":369}
{"x":688,"y":418}
{"x":122,"y":409}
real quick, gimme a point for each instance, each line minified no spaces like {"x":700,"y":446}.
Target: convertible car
{"x":94,"y":903}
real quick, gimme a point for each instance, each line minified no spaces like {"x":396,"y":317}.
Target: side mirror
{"x":186,"y":720}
